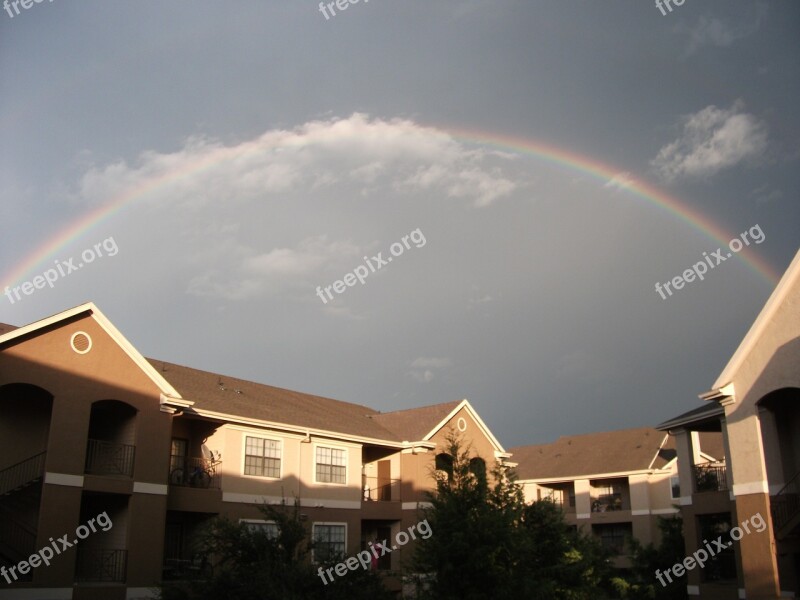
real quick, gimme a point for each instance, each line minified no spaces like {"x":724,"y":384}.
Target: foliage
{"x":249,"y":564}
{"x":488,"y":543}
{"x":642,"y":583}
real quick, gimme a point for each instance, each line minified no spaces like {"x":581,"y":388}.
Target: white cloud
{"x":712,"y":139}
{"x":425,"y":367}
{"x":720,"y":33}
{"x":620,"y":181}
{"x":317,"y":154}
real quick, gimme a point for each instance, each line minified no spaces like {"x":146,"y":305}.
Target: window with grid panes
{"x":329,"y":542}
{"x":262,"y":457}
{"x":331,"y":465}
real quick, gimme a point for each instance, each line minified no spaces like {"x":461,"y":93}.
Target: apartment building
{"x":755,"y":405}
{"x":614,"y":484}
{"x":88,"y":426}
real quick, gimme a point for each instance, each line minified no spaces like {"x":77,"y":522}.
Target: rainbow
{"x":540,"y":150}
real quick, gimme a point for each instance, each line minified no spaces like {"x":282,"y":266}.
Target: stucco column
{"x":685,"y":449}
{"x":583,"y":500}
{"x":772,"y":450}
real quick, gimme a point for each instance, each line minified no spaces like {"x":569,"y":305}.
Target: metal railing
{"x":607,"y":503}
{"x":193,"y":472}
{"x":786,"y":503}
{"x":15,"y":536}
{"x":109,"y":458}
{"x":710,"y":478}
{"x":101,"y":564}
{"x":22,"y":473}
{"x":378,"y":489}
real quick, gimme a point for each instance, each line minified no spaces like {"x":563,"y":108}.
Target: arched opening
{"x":24,"y":422}
{"x":444,"y":465}
{"x":477,"y":466}
{"x":112,"y":434}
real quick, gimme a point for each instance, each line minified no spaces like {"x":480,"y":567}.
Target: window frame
{"x":346,"y":464}
{"x":262,"y":522}
{"x":281,"y":447}
{"x":327,"y":524}
{"x":672,"y":487}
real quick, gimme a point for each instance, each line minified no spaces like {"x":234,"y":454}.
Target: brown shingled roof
{"x":413,"y":424}
{"x":593,"y":454}
{"x":265,"y":402}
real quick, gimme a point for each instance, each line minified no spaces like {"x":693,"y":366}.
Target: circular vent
{"x":81,"y":342}
{"x":462,"y":424}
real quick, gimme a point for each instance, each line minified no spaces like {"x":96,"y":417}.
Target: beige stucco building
{"x":613,"y":484}
{"x":755,"y":405}
{"x":90,"y":426}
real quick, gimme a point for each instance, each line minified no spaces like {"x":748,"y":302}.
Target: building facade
{"x":125,"y":459}
{"x":750,"y":500}
{"x":614,"y":485}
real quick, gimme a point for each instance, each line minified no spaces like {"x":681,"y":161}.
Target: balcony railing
{"x":607,"y":503}
{"x":379,"y":489}
{"x":193,"y":472}
{"x":101,"y":564}
{"x":786,"y":503}
{"x":109,"y":458}
{"x":710,"y":478}
{"x":22,"y":473}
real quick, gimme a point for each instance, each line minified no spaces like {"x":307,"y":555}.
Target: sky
{"x":505,"y":182}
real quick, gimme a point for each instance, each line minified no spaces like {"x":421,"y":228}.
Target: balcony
{"x":109,"y":458}
{"x":378,"y":489}
{"x":607,"y":503}
{"x":710,"y":478}
{"x":101,"y":565}
{"x":185,"y":471}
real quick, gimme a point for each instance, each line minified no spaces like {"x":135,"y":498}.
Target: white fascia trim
{"x":157,"y":489}
{"x":640,"y":512}
{"x":112,"y":332}
{"x":753,"y":487}
{"x":763,"y":320}
{"x":37,"y":594}
{"x":583,"y":515}
{"x":330,"y":435}
{"x":591,"y":476}
{"x":660,"y":446}
{"x":63,"y":479}
{"x":475,"y":417}
{"x":665,"y":511}
{"x":685,"y":501}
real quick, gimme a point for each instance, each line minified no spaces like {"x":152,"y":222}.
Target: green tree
{"x":487,"y":543}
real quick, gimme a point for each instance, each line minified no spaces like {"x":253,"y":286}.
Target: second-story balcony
{"x":109,"y":458}
{"x":200,"y":473}
{"x":378,"y":489}
{"x":710,"y":478}
{"x":607,"y":503}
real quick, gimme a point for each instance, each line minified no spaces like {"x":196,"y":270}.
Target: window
{"x":675,"y":487}
{"x":329,"y":541}
{"x":262,"y":458}
{"x":268,"y":527}
{"x":477,"y":466}
{"x":444,"y":463}
{"x":612,"y":537}
{"x":331,"y":465}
